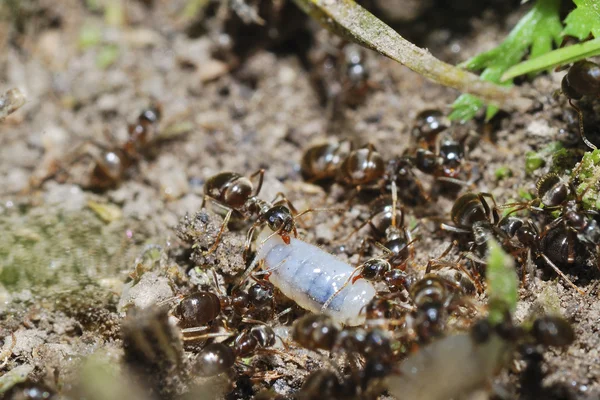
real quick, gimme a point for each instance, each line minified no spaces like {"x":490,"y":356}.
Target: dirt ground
{"x":72,"y":260}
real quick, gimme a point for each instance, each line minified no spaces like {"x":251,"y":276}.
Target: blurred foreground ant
{"x":583,"y":79}
{"x":110,"y":167}
{"x":217,"y":358}
{"x":318,"y":331}
{"x":236,"y":194}
{"x":434,"y":298}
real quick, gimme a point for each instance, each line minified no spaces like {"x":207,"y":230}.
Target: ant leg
{"x":581,"y":130}
{"x":560,"y":273}
{"x":221,"y":230}
{"x":455,"y":229}
{"x":261,"y":176}
{"x":440,"y":257}
{"x":55,"y":167}
{"x":334,"y":295}
{"x":248,"y":242}
{"x":355,"y":231}
{"x":494,"y":210}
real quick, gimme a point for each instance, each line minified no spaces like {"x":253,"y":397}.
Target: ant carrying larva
{"x":236,"y":194}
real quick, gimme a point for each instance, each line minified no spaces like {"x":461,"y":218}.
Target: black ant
{"x":575,"y":226}
{"x":428,"y":125}
{"x":318,"y":331}
{"x":434,"y":298}
{"x":217,"y":358}
{"x":341,"y":77}
{"x":112,"y":164}
{"x":322,"y":162}
{"x":583,"y":79}
{"x":388,"y":231}
{"x":236,"y":194}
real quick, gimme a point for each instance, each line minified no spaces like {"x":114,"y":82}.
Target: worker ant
{"x":340,"y":76}
{"x":322,"y":162}
{"x":111,"y":166}
{"x":428,"y":125}
{"x":318,"y":331}
{"x":434,"y":299}
{"x":583,"y":79}
{"x":236,"y":194}
{"x":217,"y":358}
{"x":568,"y":234}
{"x":388,"y":230}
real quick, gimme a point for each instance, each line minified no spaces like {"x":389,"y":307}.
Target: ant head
{"x":374,"y":269}
{"x":280,"y":219}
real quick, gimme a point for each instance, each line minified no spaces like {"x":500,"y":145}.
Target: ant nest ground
{"x":115,"y":281}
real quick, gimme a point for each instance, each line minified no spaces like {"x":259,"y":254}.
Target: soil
{"x":76,"y":261}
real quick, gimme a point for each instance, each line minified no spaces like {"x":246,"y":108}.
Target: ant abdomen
{"x":229,"y":188}
{"x":362,"y":167}
{"x":315,"y":331}
{"x":198,"y":309}
{"x":583,"y":79}
{"x":321,"y":162}
{"x":214,"y":359}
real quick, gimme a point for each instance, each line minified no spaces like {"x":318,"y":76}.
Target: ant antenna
{"x":581,"y":131}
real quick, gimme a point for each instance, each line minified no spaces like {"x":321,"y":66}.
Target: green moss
{"x":43,"y":246}
{"x":503,"y":173}
{"x":533,"y":161}
{"x":564,"y":160}
{"x":587,"y":177}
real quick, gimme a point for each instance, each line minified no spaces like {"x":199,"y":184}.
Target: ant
{"x":387,"y":225}
{"x":363,"y":168}
{"x":319,"y":332}
{"x":434,"y":298}
{"x":236,"y":194}
{"x":340,"y":76}
{"x":110,"y":167}
{"x":322,"y":162}
{"x":428,"y":125}
{"x":583,"y":79}
{"x":202,"y":311}
{"x":217,"y":358}
{"x":578,"y":228}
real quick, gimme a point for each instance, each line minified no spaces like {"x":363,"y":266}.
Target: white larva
{"x":449,"y":368}
{"x":310,"y":276}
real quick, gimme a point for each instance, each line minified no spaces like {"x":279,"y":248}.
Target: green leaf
{"x":564,"y":55}
{"x":536,"y":31}
{"x":502,"y":283}
{"x":583,"y":20}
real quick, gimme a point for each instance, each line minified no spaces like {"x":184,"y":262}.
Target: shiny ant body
{"x":583,"y":79}
{"x":217,"y":358}
{"x":319,"y":332}
{"x":574,"y":228}
{"x":236,"y":194}
{"x":434,"y":299}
